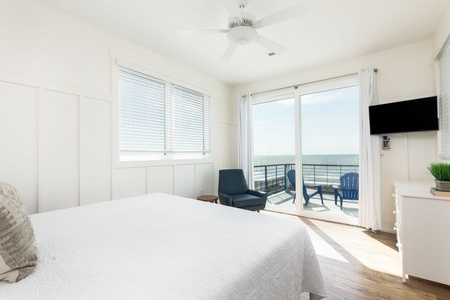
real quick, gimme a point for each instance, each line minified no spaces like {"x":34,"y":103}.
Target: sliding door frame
{"x":306,"y":89}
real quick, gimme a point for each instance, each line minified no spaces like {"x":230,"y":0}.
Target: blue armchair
{"x":234,"y":191}
{"x":349,"y":188}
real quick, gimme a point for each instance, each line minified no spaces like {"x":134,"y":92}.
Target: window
{"x":443,"y":63}
{"x":159,"y":118}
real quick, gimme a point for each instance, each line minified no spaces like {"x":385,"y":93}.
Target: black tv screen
{"x":404,"y":116}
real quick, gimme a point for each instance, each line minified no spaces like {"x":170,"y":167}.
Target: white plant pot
{"x":442,"y":185}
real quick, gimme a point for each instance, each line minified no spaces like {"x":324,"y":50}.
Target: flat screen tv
{"x":404,"y":116}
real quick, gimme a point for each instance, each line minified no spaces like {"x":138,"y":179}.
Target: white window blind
{"x":443,"y":62}
{"x":190,"y":133}
{"x":160,"y":118}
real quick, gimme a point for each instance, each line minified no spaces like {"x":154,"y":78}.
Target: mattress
{"x":161,"y":246}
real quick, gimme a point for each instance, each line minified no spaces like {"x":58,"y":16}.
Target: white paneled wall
{"x":55,"y":145}
{"x":19,"y":132}
{"x":95,"y":145}
{"x":185,"y":180}
{"x":61,"y":150}
{"x":160,"y":179}
{"x":204,"y":182}
{"x":129,"y":182}
{"x":59,"y":114}
{"x":182,"y":179}
{"x":222,"y":142}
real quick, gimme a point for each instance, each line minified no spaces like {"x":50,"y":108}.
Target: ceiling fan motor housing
{"x":245,"y":19}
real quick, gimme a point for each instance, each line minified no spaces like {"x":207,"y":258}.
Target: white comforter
{"x":161,"y":246}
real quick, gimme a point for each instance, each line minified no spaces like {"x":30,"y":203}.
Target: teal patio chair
{"x":349,"y":188}
{"x":307,"y":193}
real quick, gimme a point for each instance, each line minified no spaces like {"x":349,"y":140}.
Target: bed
{"x":161,"y":246}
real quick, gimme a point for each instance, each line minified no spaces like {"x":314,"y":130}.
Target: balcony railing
{"x":272,"y":178}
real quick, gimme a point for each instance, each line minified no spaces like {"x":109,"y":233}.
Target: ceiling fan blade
{"x":200,"y":31}
{"x":229,"y":52}
{"x":270,"y":45}
{"x":283,"y":15}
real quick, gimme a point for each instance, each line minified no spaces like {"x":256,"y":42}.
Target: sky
{"x":329,"y":123}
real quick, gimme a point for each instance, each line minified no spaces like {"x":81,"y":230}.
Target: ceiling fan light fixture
{"x":242,"y":41}
{"x":242,"y":27}
{"x":242,"y":35}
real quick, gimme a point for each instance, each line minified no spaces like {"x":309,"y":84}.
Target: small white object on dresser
{"x":423,"y":231}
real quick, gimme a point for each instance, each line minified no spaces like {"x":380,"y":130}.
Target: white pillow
{"x":18,"y":256}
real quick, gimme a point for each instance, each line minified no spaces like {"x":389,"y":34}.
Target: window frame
{"x":443,"y":91}
{"x":172,"y":83}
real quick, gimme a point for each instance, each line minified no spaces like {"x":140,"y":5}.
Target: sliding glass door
{"x":303,"y":142}
{"x":274,"y":151}
{"x":329,"y":149}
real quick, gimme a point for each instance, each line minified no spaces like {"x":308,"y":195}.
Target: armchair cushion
{"x":244,"y":200}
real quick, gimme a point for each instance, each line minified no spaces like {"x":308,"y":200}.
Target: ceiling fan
{"x":242,"y":27}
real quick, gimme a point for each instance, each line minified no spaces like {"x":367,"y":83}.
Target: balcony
{"x":272,"y":179}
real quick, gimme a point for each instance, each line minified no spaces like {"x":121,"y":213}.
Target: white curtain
{"x":369,"y":159}
{"x":245,"y":132}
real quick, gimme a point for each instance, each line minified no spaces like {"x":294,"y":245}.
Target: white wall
{"x":403,"y":73}
{"x":58,"y":104}
{"x":443,"y":31}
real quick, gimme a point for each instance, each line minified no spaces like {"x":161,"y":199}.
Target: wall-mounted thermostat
{"x":386,"y":142}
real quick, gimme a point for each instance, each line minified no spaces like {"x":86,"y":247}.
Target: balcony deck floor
{"x":282,"y":202}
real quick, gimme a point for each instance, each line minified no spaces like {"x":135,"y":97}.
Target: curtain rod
{"x":305,"y":83}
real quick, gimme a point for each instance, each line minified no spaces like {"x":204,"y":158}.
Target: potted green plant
{"x":441,"y":173}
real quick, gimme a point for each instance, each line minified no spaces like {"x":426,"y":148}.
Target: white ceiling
{"x":333,"y":30}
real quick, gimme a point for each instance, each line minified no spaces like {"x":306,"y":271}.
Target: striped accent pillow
{"x":18,"y":256}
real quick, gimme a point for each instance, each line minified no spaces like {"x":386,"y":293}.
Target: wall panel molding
{"x":52,"y":160}
{"x":19,"y":134}
{"x":53,"y":86}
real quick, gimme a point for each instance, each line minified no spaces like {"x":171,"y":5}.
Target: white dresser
{"x":423,"y":231}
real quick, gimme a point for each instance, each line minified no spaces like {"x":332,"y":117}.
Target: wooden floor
{"x":359,"y":264}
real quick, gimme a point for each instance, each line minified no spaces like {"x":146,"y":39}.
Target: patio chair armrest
{"x":318,"y":187}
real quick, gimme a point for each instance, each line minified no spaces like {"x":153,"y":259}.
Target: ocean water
{"x":325,"y":159}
